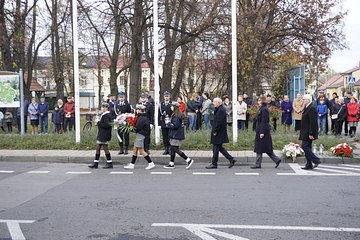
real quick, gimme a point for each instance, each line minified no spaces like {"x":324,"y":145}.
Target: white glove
{"x":151,"y":126}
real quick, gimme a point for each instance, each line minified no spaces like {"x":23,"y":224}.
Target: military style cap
{"x":109,"y":95}
{"x":121,"y":93}
{"x":143,"y":95}
{"x":104,"y":105}
{"x":166,"y":93}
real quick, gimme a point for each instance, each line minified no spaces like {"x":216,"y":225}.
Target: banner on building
{"x":9,"y":91}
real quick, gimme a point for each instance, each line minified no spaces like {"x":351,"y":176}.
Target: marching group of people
{"x":172,"y":121}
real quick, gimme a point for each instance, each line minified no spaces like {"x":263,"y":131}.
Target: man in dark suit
{"x":149,"y":113}
{"x":122,"y":106}
{"x":219,"y":135}
{"x":309,"y":132}
{"x":164,"y":115}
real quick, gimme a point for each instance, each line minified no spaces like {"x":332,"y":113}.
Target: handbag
{"x":336,"y":115}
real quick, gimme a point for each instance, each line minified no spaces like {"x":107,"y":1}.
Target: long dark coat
{"x":176,"y":128}
{"x":104,"y":127}
{"x":219,"y":127}
{"x":263,"y":145}
{"x":309,"y":123}
{"x":286,"y":116}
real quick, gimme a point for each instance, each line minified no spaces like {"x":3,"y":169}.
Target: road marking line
{"x":38,"y":172}
{"x":320,"y":174}
{"x":337,"y":167}
{"x":161,"y":173}
{"x":78,"y":172}
{"x":6,"y":171}
{"x":264,"y":227}
{"x":298,"y":171}
{"x":204,"y":173}
{"x":125,"y":173}
{"x":331,"y":170}
{"x":349,"y":165}
{"x":14,"y":228}
{"x":247,"y":174}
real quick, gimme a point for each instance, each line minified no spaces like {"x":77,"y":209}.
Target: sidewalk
{"x":87,"y":156}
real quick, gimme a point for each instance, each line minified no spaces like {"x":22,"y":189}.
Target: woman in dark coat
{"x":286,"y":116}
{"x":219,"y":135}
{"x":176,"y":135}
{"x":104,"y":124}
{"x":263,"y":141}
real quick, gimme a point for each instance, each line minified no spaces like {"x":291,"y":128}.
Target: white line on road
{"x":246,"y":174}
{"x":125,"y":173}
{"x":350,"y":165}
{"x":320,"y":174}
{"x":6,"y":171}
{"x":264,"y":227}
{"x":161,"y":173}
{"x":14,"y":228}
{"x":204,"y":173}
{"x":344,"y":168}
{"x":78,"y":172}
{"x":330,"y":170}
{"x":38,"y":172}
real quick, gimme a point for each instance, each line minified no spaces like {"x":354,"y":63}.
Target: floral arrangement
{"x":342,"y":149}
{"x":275,"y":112}
{"x":293,"y":150}
{"x":253,"y":110}
{"x":126,"y":122}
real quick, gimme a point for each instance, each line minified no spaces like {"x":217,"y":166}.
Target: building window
{"x":145,"y":83}
{"x":122,"y":80}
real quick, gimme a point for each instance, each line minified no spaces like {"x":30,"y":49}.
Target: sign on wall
{"x":9,"y":91}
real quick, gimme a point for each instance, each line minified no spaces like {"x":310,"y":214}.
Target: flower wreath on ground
{"x":125,"y":122}
{"x":342,"y":150}
{"x":293,"y":150}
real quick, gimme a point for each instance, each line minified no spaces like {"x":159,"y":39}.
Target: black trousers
{"x":198,"y":121}
{"x":147,"y":140}
{"x":346,"y":127}
{"x":124,"y":136}
{"x":247,"y":120}
{"x":18,"y":122}
{"x":219,"y":148}
{"x":165,"y":137}
{"x":309,"y":155}
{"x":338,"y":127}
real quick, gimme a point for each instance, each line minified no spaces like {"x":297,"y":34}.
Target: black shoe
{"x":232,"y":163}
{"x":317,"y":164}
{"x":307,"y":168}
{"x":126,"y":151}
{"x":121,"y":152}
{"x":108,"y":165}
{"x":277,"y":164}
{"x":166,"y":152}
{"x":254,"y":167}
{"x":94,"y":165}
{"x":211,"y":166}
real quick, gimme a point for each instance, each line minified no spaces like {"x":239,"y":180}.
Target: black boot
{"x":166,"y":151}
{"x":94,"y":165}
{"x":126,"y":150}
{"x":108,"y":165}
{"x":121,"y":150}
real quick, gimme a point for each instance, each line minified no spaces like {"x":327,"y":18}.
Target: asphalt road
{"x":68,"y":201}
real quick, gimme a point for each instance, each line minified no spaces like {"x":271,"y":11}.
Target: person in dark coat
{"x":122,"y":106}
{"x":43,"y":114}
{"x":286,"y":116}
{"x":219,"y":135}
{"x":104,"y":124}
{"x":309,"y":132}
{"x":341,"y":110}
{"x":142,"y":128}
{"x":176,"y":135}
{"x":263,"y":141}
{"x":165,"y":113}
{"x":57,"y":116}
{"x":149,"y":113}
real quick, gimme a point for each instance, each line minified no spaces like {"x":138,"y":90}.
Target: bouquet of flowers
{"x":126,"y":122}
{"x":253,"y":110}
{"x":342,"y":149}
{"x":275,"y":112}
{"x":293,"y":150}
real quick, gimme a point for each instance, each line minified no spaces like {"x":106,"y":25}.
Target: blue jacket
{"x":43,"y":108}
{"x":322,"y":110}
{"x":176,"y":128}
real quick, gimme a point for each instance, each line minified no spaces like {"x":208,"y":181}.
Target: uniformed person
{"x":165,"y":113}
{"x":122,"y":106}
